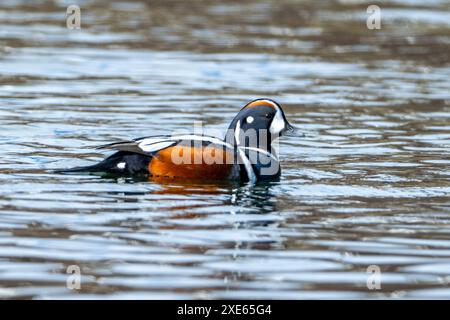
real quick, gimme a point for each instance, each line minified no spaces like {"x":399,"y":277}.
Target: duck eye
{"x":268,"y":115}
{"x":249,"y":119}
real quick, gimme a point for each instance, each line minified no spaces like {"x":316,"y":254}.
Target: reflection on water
{"x":367,"y":185}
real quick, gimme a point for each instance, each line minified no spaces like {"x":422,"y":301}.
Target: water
{"x":368,"y":184}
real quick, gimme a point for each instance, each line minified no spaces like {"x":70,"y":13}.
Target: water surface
{"x":368,"y":185}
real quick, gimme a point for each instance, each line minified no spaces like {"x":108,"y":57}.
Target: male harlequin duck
{"x":246,"y":154}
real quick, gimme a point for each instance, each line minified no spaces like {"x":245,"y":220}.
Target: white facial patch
{"x":121,"y":165}
{"x":250,"y":119}
{"x":278,"y":123}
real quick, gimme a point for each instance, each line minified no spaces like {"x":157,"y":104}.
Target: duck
{"x":247,"y":153}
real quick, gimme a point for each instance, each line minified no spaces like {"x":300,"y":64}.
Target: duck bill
{"x":289,"y":130}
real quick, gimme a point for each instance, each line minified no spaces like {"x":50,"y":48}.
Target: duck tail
{"x":77,"y":169}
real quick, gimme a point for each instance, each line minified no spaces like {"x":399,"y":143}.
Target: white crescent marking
{"x":152,"y":146}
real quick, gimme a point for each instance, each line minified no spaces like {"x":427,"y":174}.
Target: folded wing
{"x":150,"y":145}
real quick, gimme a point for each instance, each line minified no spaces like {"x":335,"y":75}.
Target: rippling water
{"x":368,"y":185}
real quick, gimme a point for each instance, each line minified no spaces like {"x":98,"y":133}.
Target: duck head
{"x":257,"y":125}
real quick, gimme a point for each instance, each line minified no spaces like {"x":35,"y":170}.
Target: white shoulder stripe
{"x":149,"y":146}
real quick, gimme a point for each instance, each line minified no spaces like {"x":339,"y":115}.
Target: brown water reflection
{"x":367,"y":185}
